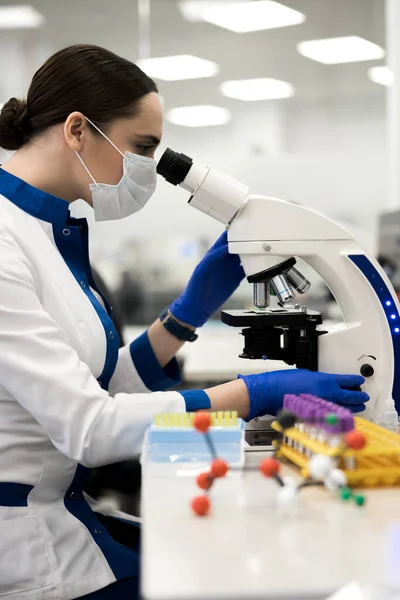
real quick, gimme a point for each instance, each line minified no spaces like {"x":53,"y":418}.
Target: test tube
{"x":289,"y":404}
{"x":294,"y":409}
{"x":312,"y":425}
{"x":308,"y":416}
{"x":348,"y":425}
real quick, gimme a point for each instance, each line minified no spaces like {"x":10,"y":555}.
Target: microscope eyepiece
{"x":212,"y":192}
{"x":174,"y":166}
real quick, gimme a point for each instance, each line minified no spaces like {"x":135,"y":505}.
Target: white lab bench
{"x":214,"y":356}
{"x":245,"y":549}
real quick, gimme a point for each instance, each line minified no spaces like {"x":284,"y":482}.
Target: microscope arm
{"x":267,"y":231}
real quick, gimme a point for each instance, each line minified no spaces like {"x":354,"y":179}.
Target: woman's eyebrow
{"x":149,"y":138}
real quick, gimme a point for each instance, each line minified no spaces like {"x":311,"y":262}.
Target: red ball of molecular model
{"x":201,"y":505}
{"x":202,"y":422}
{"x":270,"y":467}
{"x":355,"y":440}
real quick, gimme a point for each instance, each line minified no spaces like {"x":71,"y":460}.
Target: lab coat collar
{"x":33,"y":201}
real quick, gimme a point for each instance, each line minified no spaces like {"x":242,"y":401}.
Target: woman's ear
{"x":75,"y":131}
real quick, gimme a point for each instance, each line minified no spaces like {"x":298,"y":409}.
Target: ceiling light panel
{"x":193,"y":10}
{"x":257,"y":89}
{"x":332,"y":51}
{"x":20,"y":17}
{"x":244,"y":17}
{"x":179,"y":67}
{"x":382,"y":75}
{"x":198,"y":116}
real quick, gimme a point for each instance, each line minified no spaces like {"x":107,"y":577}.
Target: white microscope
{"x":268,"y":233}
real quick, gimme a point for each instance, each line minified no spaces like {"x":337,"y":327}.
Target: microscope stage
{"x":270,"y":317}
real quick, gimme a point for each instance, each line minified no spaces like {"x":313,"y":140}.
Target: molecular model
{"x":314,"y":434}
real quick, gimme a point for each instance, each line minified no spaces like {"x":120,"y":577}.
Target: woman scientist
{"x":69,"y":400}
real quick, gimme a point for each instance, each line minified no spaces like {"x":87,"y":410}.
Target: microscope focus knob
{"x":367,"y":370}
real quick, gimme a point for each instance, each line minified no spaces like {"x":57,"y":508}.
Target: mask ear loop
{"x":86,"y":169}
{"x":104,"y":135}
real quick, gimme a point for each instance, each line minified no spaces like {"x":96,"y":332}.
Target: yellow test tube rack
{"x":377,"y":464}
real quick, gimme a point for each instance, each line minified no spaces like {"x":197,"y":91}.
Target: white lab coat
{"x":54,"y":415}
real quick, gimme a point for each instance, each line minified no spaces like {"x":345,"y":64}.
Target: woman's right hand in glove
{"x":257,"y":395}
{"x":267,"y":390}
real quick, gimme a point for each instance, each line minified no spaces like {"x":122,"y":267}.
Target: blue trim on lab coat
{"x":150,"y":372}
{"x":72,"y":241}
{"x":124,"y":562}
{"x":33,"y":201}
{"x":196,"y":400}
{"x":14,"y":494}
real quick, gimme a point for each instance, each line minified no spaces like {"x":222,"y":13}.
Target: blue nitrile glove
{"x":213,"y":281}
{"x":266,"y":390}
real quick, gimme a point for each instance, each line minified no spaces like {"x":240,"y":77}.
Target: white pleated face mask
{"x":137,"y":185}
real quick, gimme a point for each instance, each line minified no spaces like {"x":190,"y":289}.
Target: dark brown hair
{"x":89,"y":79}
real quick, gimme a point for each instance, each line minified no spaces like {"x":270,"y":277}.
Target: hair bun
{"x":14,"y":124}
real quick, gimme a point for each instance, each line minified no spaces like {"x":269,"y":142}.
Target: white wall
{"x":20,"y":54}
